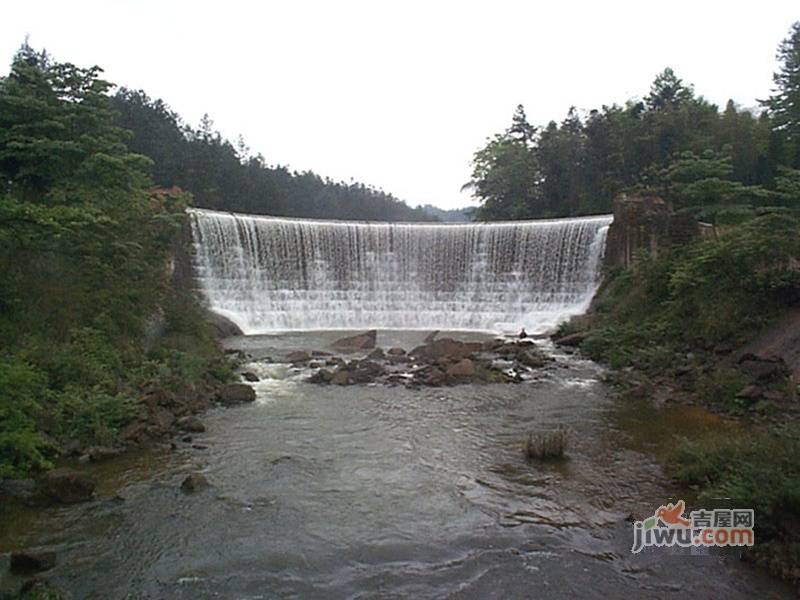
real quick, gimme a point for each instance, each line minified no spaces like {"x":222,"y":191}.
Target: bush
{"x":547,"y":445}
{"x":22,"y":388}
{"x":92,"y":417}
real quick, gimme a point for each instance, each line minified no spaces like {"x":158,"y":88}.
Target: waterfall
{"x":271,"y":274}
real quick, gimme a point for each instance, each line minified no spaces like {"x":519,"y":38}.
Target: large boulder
{"x":463,"y":368}
{"x":571,"y":339}
{"x":236,"y":393}
{"x":299,"y":356}
{"x":222,"y":327}
{"x":362,"y":341}
{"x":66,"y":486}
{"x":445,"y":349}
{"x":191,"y":424}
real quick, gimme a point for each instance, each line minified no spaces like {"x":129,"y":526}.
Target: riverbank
{"x":714,"y":323}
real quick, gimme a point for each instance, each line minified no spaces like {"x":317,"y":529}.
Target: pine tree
{"x":784,"y":104}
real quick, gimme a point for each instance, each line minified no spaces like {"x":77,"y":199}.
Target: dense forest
{"x":226,"y":176}
{"x":90,"y":320}
{"x":672,"y":142}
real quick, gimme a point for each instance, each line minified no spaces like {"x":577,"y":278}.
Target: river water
{"x":387,"y":492}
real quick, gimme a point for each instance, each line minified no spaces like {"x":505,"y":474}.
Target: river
{"x":387,"y":492}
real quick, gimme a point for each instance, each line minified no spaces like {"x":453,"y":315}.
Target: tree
{"x":668,"y":92}
{"x":784,"y":104}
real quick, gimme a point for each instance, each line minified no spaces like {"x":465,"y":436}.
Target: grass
{"x":548,"y":445}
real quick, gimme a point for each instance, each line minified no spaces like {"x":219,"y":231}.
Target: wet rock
{"x":299,"y":356}
{"x":191,"y":424}
{"x":492,"y":345}
{"x":32,"y":561}
{"x":367,"y":371}
{"x":321,"y":376}
{"x":463,"y":368}
{"x":99,"y":453}
{"x":341,"y":377}
{"x":447,"y":349}
{"x":319,"y":353}
{"x":236,"y":393}
{"x":250,"y":376}
{"x":222,"y":326}
{"x":187,"y":439}
{"x":376,"y":354}
{"x":431,"y":336}
{"x":316,"y":364}
{"x":22,"y":489}
{"x":66,"y":486}
{"x":362,"y":341}
{"x":199,"y":446}
{"x":572,"y":339}
{"x":433,"y":377}
{"x":532,"y":359}
{"x":396,"y":351}
{"x":194,"y":482}
{"x":336,"y":361}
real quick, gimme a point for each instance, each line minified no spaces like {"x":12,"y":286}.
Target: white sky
{"x":400,"y":94}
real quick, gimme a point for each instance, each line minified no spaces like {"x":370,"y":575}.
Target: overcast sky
{"x":400,"y":94}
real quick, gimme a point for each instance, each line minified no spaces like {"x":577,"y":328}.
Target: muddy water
{"x":384,"y":492}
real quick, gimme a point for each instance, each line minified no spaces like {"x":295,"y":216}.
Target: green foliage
{"x":784,"y":104}
{"x":22,"y":389}
{"x":756,"y":469}
{"x":673,"y":143}
{"x":225,"y":176}
{"x":84,"y":253}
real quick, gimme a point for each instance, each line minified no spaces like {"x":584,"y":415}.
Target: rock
{"x":299,"y":356}
{"x":319,"y":353}
{"x":250,"y":376}
{"x":98,"y":453}
{"x":32,"y":561}
{"x":396,"y":351}
{"x":362,"y":341}
{"x":366,"y":371}
{"x":341,"y":377}
{"x":336,"y":361}
{"x":136,"y":431}
{"x":572,"y":339}
{"x":431,"y":336}
{"x":463,"y":368}
{"x":222,"y":326}
{"x":763,"y":369}
{"x":750,"y":393}
{"x":447,"y":349}
{"x":22,"y":489}
{"x":492,"y":345}
{"x":532,"y":359}
{"x":376,"y":354}
{"x":194,"y":482}
{"x":67,"y":486}
{"x":434,"y":378}
{"x":321,"y":376}
{"x":191,"y":425}
{"x":187,"y":439}
{"x":236,"y":393}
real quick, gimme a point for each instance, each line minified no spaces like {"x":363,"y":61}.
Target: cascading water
{"x":270,"y":274}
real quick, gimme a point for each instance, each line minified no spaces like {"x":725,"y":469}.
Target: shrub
{"x":547,"y":445}
{"x":22,"y":449}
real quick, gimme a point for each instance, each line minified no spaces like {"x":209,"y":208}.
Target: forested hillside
{"x":224,"y":176}
{"x":672,"y":142}
{"x":90,"y":321}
